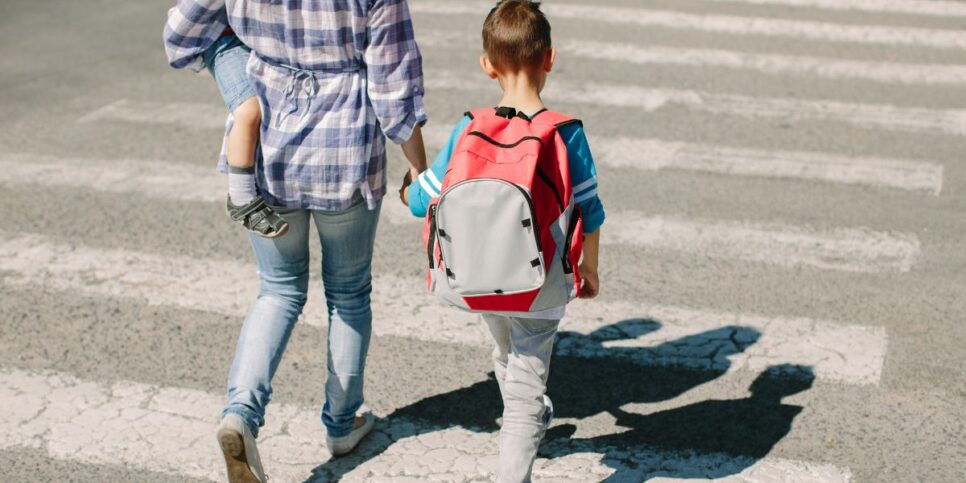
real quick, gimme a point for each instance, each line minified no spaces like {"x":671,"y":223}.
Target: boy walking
{"x":505,"y":209}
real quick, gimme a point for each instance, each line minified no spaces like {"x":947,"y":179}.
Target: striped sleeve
{"x":192,"y":27}
{"x":429,"y":184}
{"x":583,"y":175}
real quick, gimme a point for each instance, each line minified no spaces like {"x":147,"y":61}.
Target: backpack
{"x":505,"y":234}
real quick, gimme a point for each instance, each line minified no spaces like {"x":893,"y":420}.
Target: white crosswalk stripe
{"x":636,"y":153}
{"x":895,"y":73}
{"x":853,"y":250}
{"x":870,"y":116}
{"x":685,"y":337}
{"x":654,"y":155}
{"x":171,"y":430}
{"x":773,"y":64}
{"x":721,"y":24}
{"x":937,"y":8}
{"x":845,"y":249}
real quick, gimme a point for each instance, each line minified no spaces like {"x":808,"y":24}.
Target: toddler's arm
{"x":192,"y":26}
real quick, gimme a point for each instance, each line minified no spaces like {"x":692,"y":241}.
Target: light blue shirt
{"x":583,"y":175}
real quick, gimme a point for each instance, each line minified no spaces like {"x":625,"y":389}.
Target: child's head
{"x":516,"y":40}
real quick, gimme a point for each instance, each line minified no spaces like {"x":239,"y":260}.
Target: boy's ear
{"x":549,"y":59}
{"x":488,"y":67}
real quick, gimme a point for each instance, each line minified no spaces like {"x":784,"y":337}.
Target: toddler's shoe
{"x":345,"y":444}
{"x":241,"y":455}
{"x":258,"y":217}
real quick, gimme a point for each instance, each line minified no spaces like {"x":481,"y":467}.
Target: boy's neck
{"x":521,"y":92}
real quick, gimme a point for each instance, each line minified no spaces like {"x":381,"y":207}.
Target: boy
{"x":226,"y":59}
{"x":518,"y":54}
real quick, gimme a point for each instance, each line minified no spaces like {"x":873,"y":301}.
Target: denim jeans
{"x":521,"y":361}
{"x":283,"y":268}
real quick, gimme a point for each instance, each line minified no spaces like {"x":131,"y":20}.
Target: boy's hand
{"x":404,"y":189}
{"x":591,"y":283}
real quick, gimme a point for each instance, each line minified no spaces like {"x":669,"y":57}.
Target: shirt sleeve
{"x":394,"y":69}
{"x":192,"y":27}
{"x":583,"y":175}
{"x":427,"y":185}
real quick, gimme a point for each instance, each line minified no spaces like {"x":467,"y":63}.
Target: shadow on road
{"x":590,"y":375}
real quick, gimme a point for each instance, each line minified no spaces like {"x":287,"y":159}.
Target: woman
{"x":334,"y":79}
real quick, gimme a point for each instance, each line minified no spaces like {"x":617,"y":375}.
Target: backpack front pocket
{"x":488,"y":238}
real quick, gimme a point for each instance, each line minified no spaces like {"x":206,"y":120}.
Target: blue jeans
{"x":283,"y":267}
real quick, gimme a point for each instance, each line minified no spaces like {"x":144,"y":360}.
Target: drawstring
{"x":303,"y":76}
{"x":307,"y":79}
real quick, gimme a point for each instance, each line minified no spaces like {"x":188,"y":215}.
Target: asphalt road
{"x":782,"y":273}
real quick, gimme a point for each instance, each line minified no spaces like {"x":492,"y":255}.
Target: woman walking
{"x":334,"y":79}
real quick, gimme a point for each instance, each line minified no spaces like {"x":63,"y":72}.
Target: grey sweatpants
{"x":521,"y":361}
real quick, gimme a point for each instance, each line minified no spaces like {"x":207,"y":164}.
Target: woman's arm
{"x":192,"y":26}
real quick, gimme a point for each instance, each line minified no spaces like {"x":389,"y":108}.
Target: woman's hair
{"x":516,"y":35}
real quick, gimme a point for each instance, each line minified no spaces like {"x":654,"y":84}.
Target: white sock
{"x":241,"y":185}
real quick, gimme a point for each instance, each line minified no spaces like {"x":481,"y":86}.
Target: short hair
{"x":516,"y":34}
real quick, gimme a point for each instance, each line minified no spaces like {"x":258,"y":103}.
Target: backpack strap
{"x":555,"y":118}
{"x":544,"y":116}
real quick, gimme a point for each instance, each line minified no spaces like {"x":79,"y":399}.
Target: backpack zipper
{"x":568,"y":242}
{"x":431,"y":246}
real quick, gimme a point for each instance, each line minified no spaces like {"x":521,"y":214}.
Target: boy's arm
{"x":427,"y":185}
{"x":588,"y":266}
{"x":192,"y":26}
{"x":394,"y":70}
{"x":583,"y":175}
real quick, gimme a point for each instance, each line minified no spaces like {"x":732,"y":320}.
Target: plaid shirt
{"x":334,"y":78}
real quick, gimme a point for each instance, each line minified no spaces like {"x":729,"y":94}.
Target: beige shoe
{"x":241,"y":454}
{"x":345,"y":444}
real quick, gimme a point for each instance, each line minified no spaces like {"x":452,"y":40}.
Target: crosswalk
{"x":168,"y":429}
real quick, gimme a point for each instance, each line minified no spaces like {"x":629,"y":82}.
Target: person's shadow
{"x":734,"y":433}
{"x":587,"y":377}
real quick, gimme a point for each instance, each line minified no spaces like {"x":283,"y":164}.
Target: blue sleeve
{"x":427,"y":185}
{"x":583,"y":175}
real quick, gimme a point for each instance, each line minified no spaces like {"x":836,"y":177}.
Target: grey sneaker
{"x":258,"y":217}
{"x":241,"y":454}
{"x":345,"y":444}
{"x":547,"y":412}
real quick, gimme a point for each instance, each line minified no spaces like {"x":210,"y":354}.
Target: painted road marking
{"x":722,"y":24}
{"x":845,"y":249}
{"x":774,"y":64}
{"x":771,"y":64}
{"x":936,"y":8}
{"x":871,"y":116}
{"x":680,"y":336}
{"x":642,"y":153}
{"x":171,"y":430}
{"x":653,"y":155}
{"x":192,"y":115}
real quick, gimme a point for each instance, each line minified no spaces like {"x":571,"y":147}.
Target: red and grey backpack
{"x":505,"y":234}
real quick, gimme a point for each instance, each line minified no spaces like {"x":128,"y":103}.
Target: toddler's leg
{"x":524,"y":386}
{"x":242,"y":142}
